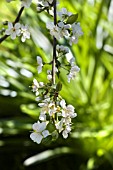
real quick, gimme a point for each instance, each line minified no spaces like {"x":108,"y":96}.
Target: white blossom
{"x":76,"y":29}
{"x":39,"y":132}
{"x":64,"y":13}
{"x":76,"y":33}
{"x":25,"y":33}
{"x":73,"y":39}
{"x":40,"y":64}
{"x":59,"y":125}
{"x":54,"y":30}
{"x":35,"y":87}
{"x":66,"y":131}
{"x":26,"y":3}
{"x":13,"y":30}
{"x":49,"y":75}
{"x":62,"y":49}
{"x":74,"y":70}
{"x":67,"y":111}
{"x":63,"y":29}
{"x":42,"y":117}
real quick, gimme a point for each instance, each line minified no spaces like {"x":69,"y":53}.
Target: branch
{"x":16,"y":20}
{"x":54,"y":44}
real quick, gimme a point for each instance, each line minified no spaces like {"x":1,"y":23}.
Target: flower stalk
{"x":54,"y":44}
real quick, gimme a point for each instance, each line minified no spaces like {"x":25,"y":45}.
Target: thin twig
{"x":54,"y":44}
{"x":16,"y":20}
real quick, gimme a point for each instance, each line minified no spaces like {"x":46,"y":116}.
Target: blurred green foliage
{"x":90,"y":145}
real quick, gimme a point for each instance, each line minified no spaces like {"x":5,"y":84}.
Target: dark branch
{"x":54,"y":44}
{"x":16,"y":20}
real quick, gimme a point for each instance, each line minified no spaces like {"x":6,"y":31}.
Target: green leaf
{"x":47,"y":140}
{"x":51,"y":127}
{"x":59,"y":86}
{"x":72,"y":18}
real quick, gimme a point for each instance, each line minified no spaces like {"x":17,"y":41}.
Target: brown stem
{"x":54,"y":44}
{"x":16,"y":20}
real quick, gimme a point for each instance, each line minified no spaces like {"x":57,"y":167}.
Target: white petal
{"x":65,"y":134}
{"x":35,"y":126}
{"x":41,"y":126}
{"x":50,"y":25}
{"x":63,"y":103}
{"x":8,"y":31}
{"x":10,"y":25}
{"x":13,"y":35}
{"x":23,"y":39}
{"x":39,"y":60}
{"x":36,"y":137}
{"x":70,"y":108}
{"x":45,"y":133}
{"x":17,"y":25}
{"x":42,"y":117}
{"x":39,"y":68}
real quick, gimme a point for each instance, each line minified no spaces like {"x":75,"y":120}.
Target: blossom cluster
{"x":66,"y":27}
{"x":55,"y":116}
{"x":70,"y":65}
{"x":18,"y":30}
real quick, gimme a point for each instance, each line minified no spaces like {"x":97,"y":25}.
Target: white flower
{"x":73,"y":39}
{"x":13,"y":30}
{"x":49,"y":75}
{"x":52,"y":109}
{"x":25,"y":33}
{"x":45,"y":107}
{"x":64,"y":13}
{"x":72,"y":61}
{"x":63,"y":103}
{"x":76,"y":29}
{"x":35,"y":87}
{"x":63,"y":29}
{"x":54,"y":30}
{"x":42,"y":117}
{"x":77,"y":32}
{"x":62,"y":49}
{"x":40,"y":64}
{"x":59,"y":125}
{"x":39,"y":132}
{"x":74,"y":70}
{"x":66,"y":131}
{"x":26,"y":3}
{"x":67,"y":111}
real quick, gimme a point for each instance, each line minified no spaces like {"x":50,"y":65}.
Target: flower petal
{"x":36,"y":137}
{"x":45,"y":133}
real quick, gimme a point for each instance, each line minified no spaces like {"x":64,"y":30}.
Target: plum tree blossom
{"x":64,"y":14}
{"x":55,"y":115}
{"x":13,"y":30}
{"x":54,"y":30}
{"x":39,"y":132}
{"x":25,"y":33}
{"x":73,"y":71}
{"x":62,"y":49}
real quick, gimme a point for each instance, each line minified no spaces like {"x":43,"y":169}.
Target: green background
{"x":90,"y":145}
